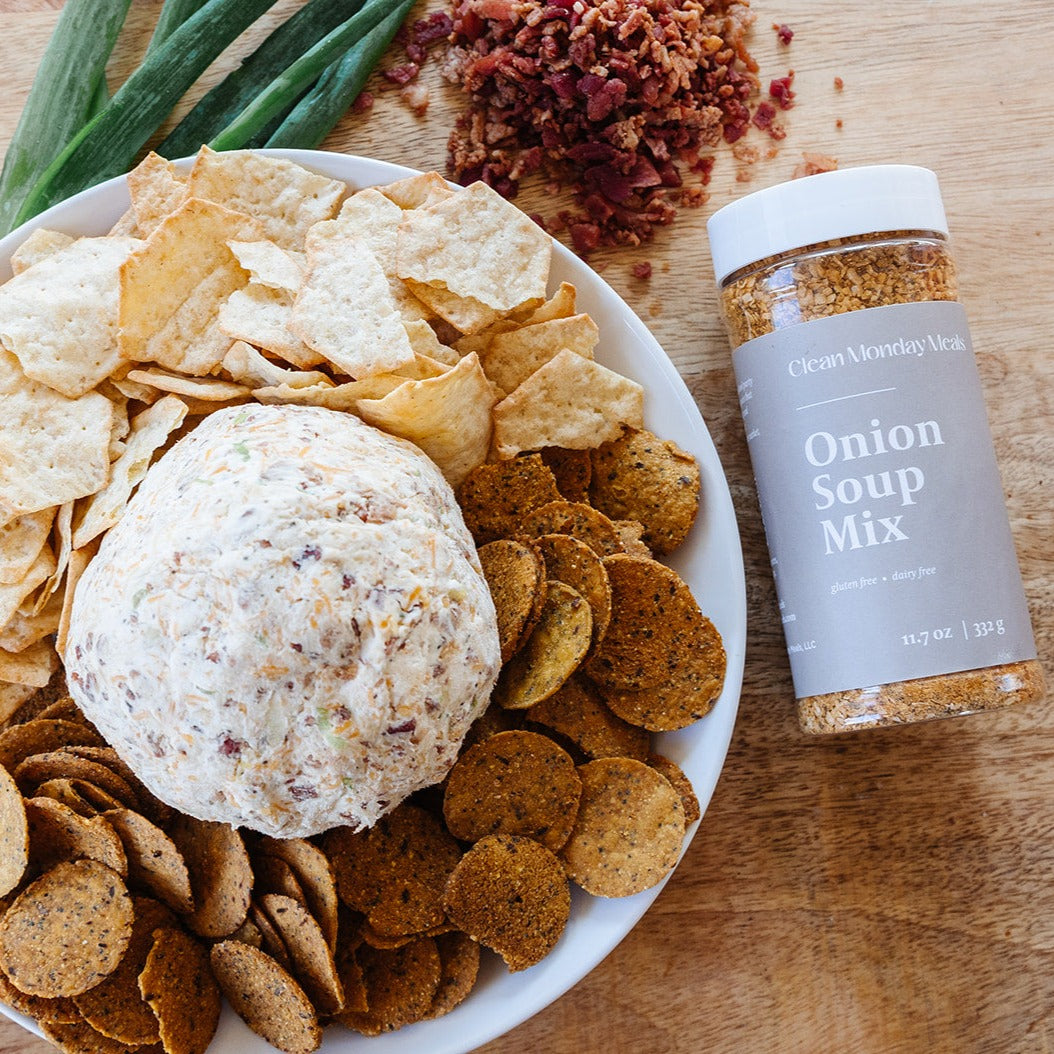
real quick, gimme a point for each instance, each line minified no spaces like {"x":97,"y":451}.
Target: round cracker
{"x":459,"y":967}
{"x":82,"y":797}
{"x":309,"y":952}
{"x":14,"y":834}
{"x":266,"y":997}
{"x":40,"y":736}
{"x":573,"y":562}
{"x":629,"y":831}
{"x":515,"y":574}
{"x":496,"y":496}
{"x":67,"y":930}
{"x":680,"y":783}
{"x":177,"y":983}
{"x":78,"y":1037}
{"x":655,"y":626}
{"x":400,"y":985}
{"x":61,"y":1011}
{"x":577,"y":519}
{"x":510,"y":894}
{"x":688,"y":694}
{"x":513,"y":783}
{"x":116,"y":1007}
{"x":61,"y":764}
{"x":154,"y":862}
{"x":553,"y":651}
{"x":641,"y":477}
{"x":221,"y":875}
{"x":577,"y":712}
{"x":57,"y":832}
{"x":573,"y":470}
{"x":314,"y":876}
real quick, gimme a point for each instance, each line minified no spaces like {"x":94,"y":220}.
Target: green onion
{"x":108,"y":144}
{"x":218,"y":107}
{"x":64,"y":92}
{"x":173,"y":14}
{"x":299,"y":74}
{"x":313,"y":118}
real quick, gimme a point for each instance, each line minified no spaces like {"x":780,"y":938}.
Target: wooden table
{"x":893,"y":891}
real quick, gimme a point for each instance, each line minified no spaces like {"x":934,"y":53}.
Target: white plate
{"x":710,"y":561}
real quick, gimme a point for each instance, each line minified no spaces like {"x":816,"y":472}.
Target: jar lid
{"x":840,"y":204}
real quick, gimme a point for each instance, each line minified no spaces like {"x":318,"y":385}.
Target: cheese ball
{"x":288,"y":630}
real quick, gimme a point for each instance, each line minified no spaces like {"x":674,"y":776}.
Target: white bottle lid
{"x":840,"y":204}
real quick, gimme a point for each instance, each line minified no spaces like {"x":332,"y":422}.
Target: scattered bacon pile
{"x":617,"y":99}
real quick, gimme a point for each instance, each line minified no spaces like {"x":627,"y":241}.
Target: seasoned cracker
{"x":577,"y":712}
{"x":38,"y":768}
{"x":680,"y":783}
{"x":154,"y":862}
{"x":556,"y":646}
{"x":496,"y":497}
{"x":67,"y":930}
{"x":513,"y":783}
{"x":510,"y":894}
{"x":116,"y":1007}
{"x":41,"y":735}
{"x":577,"y":519}
{"x":314,"y":875}
{"x":515,"y":574}
{"x":458,"y":969}
{"x":220,"y":874}
{"x":629,"y":831}
{"x":57,"y":832}
{"x":573,"y":470}
{"x":400,"y":985}
{"x":14,"y":834}
{"x":653,"y":481}
{"x":178,"y":985}
{"x":573,"y":562}
{"x":266,"y":997}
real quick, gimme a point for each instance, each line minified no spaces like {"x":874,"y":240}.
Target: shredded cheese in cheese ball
{"x":288,"y":630}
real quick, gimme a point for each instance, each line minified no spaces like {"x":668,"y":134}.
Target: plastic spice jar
{"x":898,"y":585}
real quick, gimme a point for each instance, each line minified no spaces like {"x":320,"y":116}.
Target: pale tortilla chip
{"x":447,"y":416}
{"x":64,"y":540}
{"x":207,"y":389}
{"x":12,"y":596}
{"x":247,"y":366}
{"x":345,"y":310}
{"x":476,"y":244}
{"x":150,"y":430}
{"x":12,"y":696}
{"x":79,"y":560}
{"x":569,"y":402}
{"x":560,"y":305}
{"x":156,"y":188}
{"x":59,"y":317}
{"x":28,"y":627}
{"x":512,"y":357}
{"x":33,"y":666}
{"x":270,"y":265}
{"x":125,"y":226}
{"x":285,"y":197}
{"x":425,"y":188}
{"x":42,"y":242}
{"x":465,"y":313}
{"x":52,"y":449}
{"x":260,"y":316}
{"x":21,"y":540}
{"x":343,"y":397}
{"x":118,"y":386}
{"x":424,"y":341}
{"x":173,"y":287}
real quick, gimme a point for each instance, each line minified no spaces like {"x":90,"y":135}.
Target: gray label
{"x":881,"y":498}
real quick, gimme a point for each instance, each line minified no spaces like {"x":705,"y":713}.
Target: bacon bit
{"x":298,"y":792}
{"x":784,"y":32}
{"x":406,"y":726}
{"x":765,"y":119}
{"x":612,"y":98}
{"x":231,"y":748}
{"x":839,"y":84}
{"x":364,"y":102}
{"x":780,"y":89}
{"x":642,"y":270}
{"x":838,"y":123}
{"x":812,"y":164}
{"x":401,"y":74}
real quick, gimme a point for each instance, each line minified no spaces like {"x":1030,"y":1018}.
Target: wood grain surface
{"x":893,"y":891}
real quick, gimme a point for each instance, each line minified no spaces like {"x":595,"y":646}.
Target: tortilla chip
{"x":60,"y":316}
{"x":13,"y":595}
{"x":79,"y":560}
{"x":42,"y":242}
{"x":173,"y":287}
{"x":21,"y":540}
{"x":476,"y":244}
{"x":261,"y":316}
{"x":344,"y":397}
{"x":156,"y":188}
{"x":569,"y":402}
{"x":284,"y":197}
{"x":150,"y":431}
{"x":204,"y":389}
{"x":424,"y":341}
{"x":270,"y":265}
{"x":247,"y":366}
{"x":448,"y":417}
{"x":26,"y":628}
{"x":12,"y":696}
{"x":414,"y":192}
{"x":465,"y":313}
{"x":512,"y":357}
{"x":347,"y":313}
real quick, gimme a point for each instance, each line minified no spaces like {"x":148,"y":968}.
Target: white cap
{"x":829,"y":205}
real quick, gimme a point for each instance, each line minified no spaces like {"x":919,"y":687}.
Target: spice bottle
{"x":899,"y":590}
